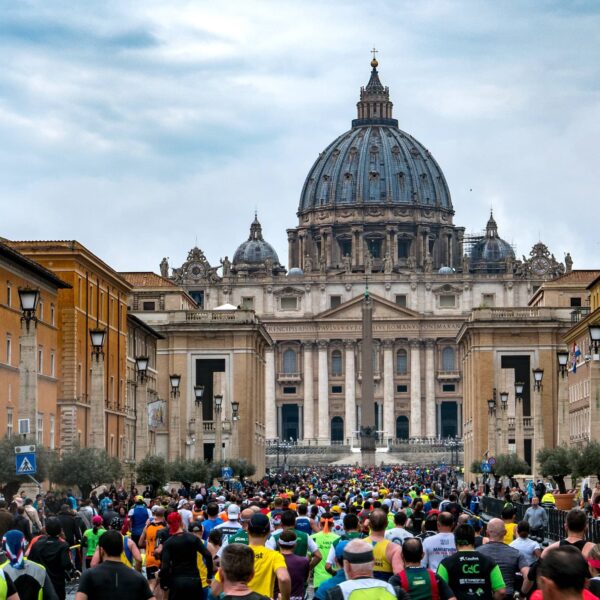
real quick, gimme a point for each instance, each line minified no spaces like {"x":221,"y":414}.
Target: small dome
{"x":295,"y":272}
{"x":255,"y":251}
{"x":446,"y":271}
{"x":491,"y":254}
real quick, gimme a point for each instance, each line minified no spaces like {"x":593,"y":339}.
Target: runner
{"x":90,"y":539}
{"x":148,"y":541}
{"x":388,"y":558}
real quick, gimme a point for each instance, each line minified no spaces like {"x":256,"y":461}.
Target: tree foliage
{"x":86,"y":468}
{"x":188,"y":471}
{"x":9,"y":480}
{"x":152,"y":471}
{"x":240,"y":466}
{"x":509,"y":465}
{"x":587,"y":461}
{"x":556,"y":463}
{"x":476,"y":467}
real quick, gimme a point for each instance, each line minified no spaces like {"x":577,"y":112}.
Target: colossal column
{"x":309,"y":403}
{"x":350,"y":385}
{"x":323,"y":402}
{"x":270,"y":408}
{"x":430,"y":425}
{"x":415,"y":389}
{"x":388,"y":390}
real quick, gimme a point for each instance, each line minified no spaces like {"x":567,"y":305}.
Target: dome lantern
{"x":374,"y":106}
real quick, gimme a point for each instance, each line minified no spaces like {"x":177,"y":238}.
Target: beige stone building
{"x":375,"y":210}
{"x":221,"y":351}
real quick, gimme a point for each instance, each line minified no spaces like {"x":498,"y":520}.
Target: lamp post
{"x":501,"y":424}
{"x":538,"y":419}
{"x":97,"y":395}
{"x":175,"y":431}
{"x":218,"y":398}
{"x":141,"y":408}
{"x":199,"y":422}
{"x":519,"y":434}
{"x":235,"y":417}
{"x":595,"y":338}
{"x":563,"y":398}
{"x":28,"y":364}
{"x":492,"y":426}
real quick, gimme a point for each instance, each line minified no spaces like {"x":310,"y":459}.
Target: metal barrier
{"x":556,"y":518}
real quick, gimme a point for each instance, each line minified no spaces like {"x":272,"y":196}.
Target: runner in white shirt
{"x":398,"y":533}
{"x":525,"y":545}
{"x":439,"y":546}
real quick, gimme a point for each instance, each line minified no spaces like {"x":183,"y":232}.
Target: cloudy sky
{"x":143,"y":128}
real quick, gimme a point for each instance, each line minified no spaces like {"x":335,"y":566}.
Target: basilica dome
{"x":255,"y":253}
{"x":491,"y":254}
{"x":375,"y":162}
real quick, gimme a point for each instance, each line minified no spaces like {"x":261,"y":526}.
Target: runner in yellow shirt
{"x":269,"y":565}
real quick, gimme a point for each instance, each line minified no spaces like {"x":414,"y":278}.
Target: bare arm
{"x":499,"y":595}
{"x":78,"y":596}
{"x":394,"y":557}
{"x":136,"y":554}
{"x":285,"y":583}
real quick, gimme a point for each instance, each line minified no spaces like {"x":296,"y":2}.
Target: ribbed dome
{"x":491,"y":253}
{"x":255,"y":251}
{"x":375,"y":162}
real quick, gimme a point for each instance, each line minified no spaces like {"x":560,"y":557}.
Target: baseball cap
{"x":96,"y":520}
{"x":139,"y":498}
{"x":259,"y":523}
{"x":336,"y":509}
{"x":196,"y":527}
{"x":233,"y":512}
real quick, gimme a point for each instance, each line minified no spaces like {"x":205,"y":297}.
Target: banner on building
{"x":157,"y":414}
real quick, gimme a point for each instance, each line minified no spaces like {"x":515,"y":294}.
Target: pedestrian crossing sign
{"x":25,"y":463}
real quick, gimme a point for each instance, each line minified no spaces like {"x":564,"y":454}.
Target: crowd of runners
{"x":324,"y":533}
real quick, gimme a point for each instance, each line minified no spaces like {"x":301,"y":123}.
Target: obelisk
{"x":368,"y":431}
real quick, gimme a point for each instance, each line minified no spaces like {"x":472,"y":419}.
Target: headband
{"x":289,"y":544}
{"x":356,"y":558}
{"x":594,"y":562}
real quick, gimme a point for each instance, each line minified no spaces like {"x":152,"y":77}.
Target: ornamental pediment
{"x":289,"y":291}
{"x":447,"y":288}
{"x":382,"y":309}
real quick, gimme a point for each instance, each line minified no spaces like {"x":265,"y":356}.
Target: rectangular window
{"x":52,"y":315}
{"x":52,"y":371}
{"x":575,"y":301}
{"x":448,"y":387}
{"x":337,"y":389}
{"x":289,"y":389}
{"x":401,"y":388}
{"x":198,"y":297}
{"x":289,"y":303}
{"x":148,"y":305}
{"x":41,"y":311}
{"x":52,"y":432}
{"x":488,"y":300}
{"x":403,"y":248}
{"x":8,"y":350}
{"x":401,"y":300}
{"x":374,"y":247}
{"x":334,"y":301}
{"x":9,"y":422}
{"x":447,"y":301}
{"x":40,"y":428}
{"x":8,"y":294}
{"x":248,"y":302}
{"x":40,"y":360}
{"x":346,"y":247}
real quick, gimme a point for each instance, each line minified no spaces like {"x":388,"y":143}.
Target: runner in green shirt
{"x":324,"y":540}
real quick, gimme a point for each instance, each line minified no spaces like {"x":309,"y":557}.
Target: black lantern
{"x":198,"y":393}
{"x":28,"y":298}
{"x":519,"y":387}
{"x":97,"y":337}
{"x":538,"y":375}
{"x":175,"y":381}
{"x":563,"y":359}
{"x":141,"y":364}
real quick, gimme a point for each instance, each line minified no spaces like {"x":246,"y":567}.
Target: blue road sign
{"x":486,"y":467}
{"x":25,"y":463}
{"x":226,"y":472}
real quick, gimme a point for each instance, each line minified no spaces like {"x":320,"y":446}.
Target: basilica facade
{"x":375,"y":211}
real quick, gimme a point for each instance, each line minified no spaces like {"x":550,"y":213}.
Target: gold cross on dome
{"x":374,"y":52}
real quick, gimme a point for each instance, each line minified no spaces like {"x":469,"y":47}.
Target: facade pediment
{"x":289,"y":291}
{"x":382,"y":309}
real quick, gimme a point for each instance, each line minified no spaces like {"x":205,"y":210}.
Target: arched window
{"x":448,"y":361}
{"x":336,"y":363}
{"x":290,"y":361}
{"x":337,"y":429}
{"x":401,"y":362}
{"x":402,"y":428}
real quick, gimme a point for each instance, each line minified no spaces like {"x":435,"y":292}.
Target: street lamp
{"x":491,"y":406}
{"x":503,"y":400}
{"x":28,"y":298}
{"x":595,"y":336}
{"x":97,"y":337}
{"x":175,"y":381}
{"x":519,"y":387}
{"x":218,"y":398}
{"x":563,"y":359}
{"x":141,"y":364}
{"x":198,"y":393}
{"x":235,"y":408}
{"x":538,"y":375}
{"x":218,"y":402}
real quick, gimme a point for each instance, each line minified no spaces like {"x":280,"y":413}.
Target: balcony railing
{"x":289,"y":377}
{"x":579,"y":313}
{"x":453,"y":375}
